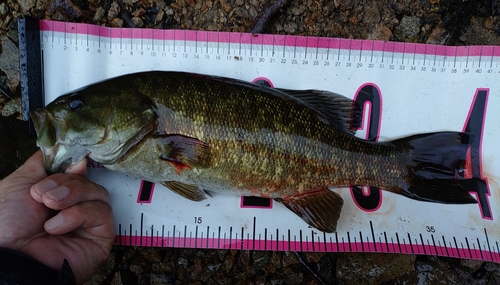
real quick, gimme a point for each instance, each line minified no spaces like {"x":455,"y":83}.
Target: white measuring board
{"x":406,"y":89}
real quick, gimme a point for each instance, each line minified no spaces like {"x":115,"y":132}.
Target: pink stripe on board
{"x":487,"y":51}
{"x":378,"y":45}
{"x":399,"y":47}
{"x":475,"y":50}
{"x":267,"y":39}
{"x":226,"y":243}
{"x":223,"y":37}
{"x":235,"y":38}
{"x":290,"y":41}
{"x":460,"y":51}
{"x":323,"y":42}
{"x":367,"y":45}
{"x":299,"y":41}
{"x":257,"y":39}
{"x":191,"y":35}
{"x":335,"y":43}
{"x":116,"y":33}
{"x":71,"y":28}
{"x":440,"y":50}
{"x":277,"y":40}
{"x":246,"y":38}
{"x":82,"y":29}
{"x":58,"y":26}
{"x":345,"y":43}
{"x":147,"y":34}
{"x":356,"y":44}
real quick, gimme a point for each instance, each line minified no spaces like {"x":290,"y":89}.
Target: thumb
{"x":79,"y":168}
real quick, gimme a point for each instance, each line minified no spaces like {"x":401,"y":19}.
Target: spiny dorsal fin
{"x":335,"y":108}
{"x":319,"y":209}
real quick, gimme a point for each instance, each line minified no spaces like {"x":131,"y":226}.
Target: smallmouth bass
{"x":195,"y":133}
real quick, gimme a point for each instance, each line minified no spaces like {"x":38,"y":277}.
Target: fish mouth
{"x":56,"y":157}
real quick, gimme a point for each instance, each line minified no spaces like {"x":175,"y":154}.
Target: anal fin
{"x":188,"y":191}
{"x":319,"y":209}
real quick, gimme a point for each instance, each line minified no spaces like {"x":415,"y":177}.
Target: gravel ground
{"x":449,"y":22}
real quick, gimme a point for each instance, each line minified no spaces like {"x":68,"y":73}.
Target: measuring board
{"x":405,"y":89}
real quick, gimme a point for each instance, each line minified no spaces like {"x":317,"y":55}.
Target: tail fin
{"x":437,"y":168}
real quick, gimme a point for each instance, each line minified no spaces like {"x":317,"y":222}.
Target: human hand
{"x":63,"y":216}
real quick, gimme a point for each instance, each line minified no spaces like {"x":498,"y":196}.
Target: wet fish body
{"x":195,"y":133}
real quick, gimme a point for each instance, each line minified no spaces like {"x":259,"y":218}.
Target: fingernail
{"x":58,"y":194}
{"x":44,"y":186}
{"x":54,"y":223}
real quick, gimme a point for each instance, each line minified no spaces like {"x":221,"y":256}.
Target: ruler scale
{"x":405,"y":88}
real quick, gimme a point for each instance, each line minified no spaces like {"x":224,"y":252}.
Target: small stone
{"x":11,"y":107}
{"x":116,"y":23}
{"x":26,"y":5}
{"x":138,"y":22}
{"x":290,"y":27}
{"x":228,"y":264}
{"x":130,"y":2}
{"x":113,"y":11}
{"x":289,"y":258}
{"x":372,"y":268}
{"x":239,"y":2}
{"x":409,"y":28}
{"x":276,"y":259}
{"x":152,"y":255}
{"x":312,"y":257}
{"x":9,"y":62}
{"x":138,"y":12}
{"x":140,"y":265}
{"x":3,"y":9}
{"x":379,"y":32}
{"x":372,"y":15}
{"x":99,"y":14}
{"x":295,"y":278}
{"x":169,"y":11}
{"x":260,"y":258}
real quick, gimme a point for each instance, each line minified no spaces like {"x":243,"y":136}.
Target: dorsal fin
{"x":334,"y":108}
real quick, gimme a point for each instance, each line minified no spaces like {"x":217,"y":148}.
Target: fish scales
{"x":266,"y":142}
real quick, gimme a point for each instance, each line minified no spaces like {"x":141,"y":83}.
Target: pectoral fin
{"x":185,"y":152}
{"x":319,"y":209}
{"x":188,"y":191}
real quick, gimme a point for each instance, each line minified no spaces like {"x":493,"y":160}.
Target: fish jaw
{"x":56,"y":156}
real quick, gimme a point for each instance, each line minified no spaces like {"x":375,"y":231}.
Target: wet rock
{"x":379,"y":32}
{"x":290,"y":27}
{"x":371,"y":268}
{"x":260,"y":258}
{"x":64,"y":9}
{"x":12,"y":107}
{"x":289,"y":258}
{"x":140,"y":265}
{"x":99,"y":14}
{"x":151,"y":255}
{"x":409,"y":27}
{"x":113,"y":11}
{"x":9,"y":62}
{"x":26,"y":5}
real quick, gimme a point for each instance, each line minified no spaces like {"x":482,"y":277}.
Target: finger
{"x":62,"y":190}
{"x":95,"y":218}
{"x":79,"y":168}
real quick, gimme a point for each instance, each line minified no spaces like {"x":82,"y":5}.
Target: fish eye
{"x":75,"y":102}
